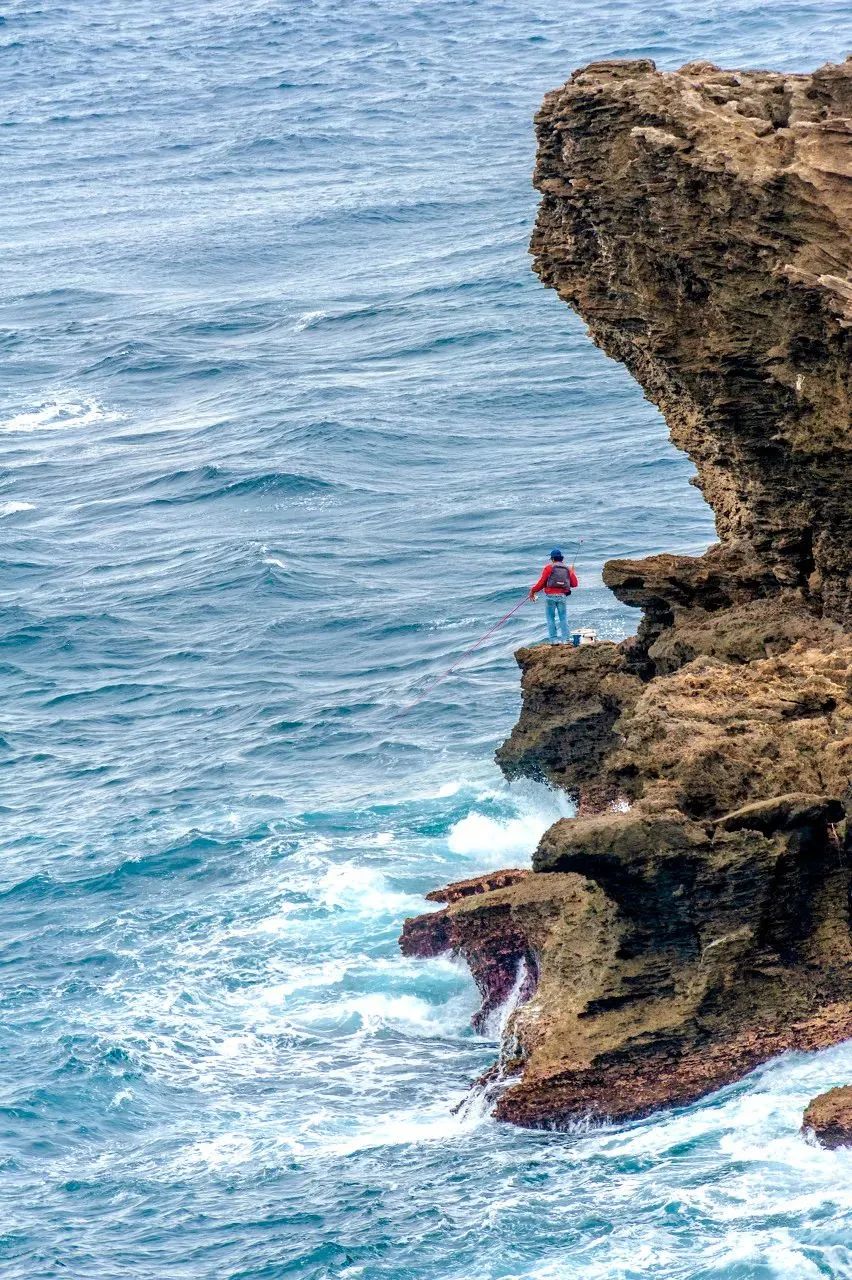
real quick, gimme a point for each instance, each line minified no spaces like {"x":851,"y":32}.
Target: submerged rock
{"x":693,"y":920}
{"x":829,"y":1118}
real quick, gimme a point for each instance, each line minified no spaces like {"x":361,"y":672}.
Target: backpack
{"x":559,"y":576}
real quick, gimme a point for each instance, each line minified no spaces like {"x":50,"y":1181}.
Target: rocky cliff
{"x":694,"y":918}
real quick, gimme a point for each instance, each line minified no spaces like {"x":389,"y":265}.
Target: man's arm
{"x":539,"y":586}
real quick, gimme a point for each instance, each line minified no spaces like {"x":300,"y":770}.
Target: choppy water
{"x":286,"y":423}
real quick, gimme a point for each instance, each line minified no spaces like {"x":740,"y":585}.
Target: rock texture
{"x":701,"y":223}
{"x":693,"y":920}
{"x":829,"y":1118}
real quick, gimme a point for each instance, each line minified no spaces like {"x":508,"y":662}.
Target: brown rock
{"x":476,"y":884}
{"x":829,"y":1117}
{"x":701,"y":224}
{"x":711,"y":255}
{"x":572,"y":700}
{"x":480,"y":922}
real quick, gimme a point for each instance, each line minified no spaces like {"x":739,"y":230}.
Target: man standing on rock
{"x":556,"y":581}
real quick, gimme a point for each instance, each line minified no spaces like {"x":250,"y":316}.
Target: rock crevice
{"x":694,"y":918}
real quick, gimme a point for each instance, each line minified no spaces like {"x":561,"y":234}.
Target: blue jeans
{"x":555,"y":607}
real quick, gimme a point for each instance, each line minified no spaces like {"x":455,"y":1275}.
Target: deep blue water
{"x":286,"y":424}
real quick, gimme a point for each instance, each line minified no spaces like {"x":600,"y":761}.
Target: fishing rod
{"x":490,"y":632}
{"x":577,"y":545}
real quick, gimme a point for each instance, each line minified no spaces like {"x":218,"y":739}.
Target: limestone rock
{"x":693,"y":920}
{"x":572,"y":700}
{"x":701,"y":224}
{"x":829,"y":1118}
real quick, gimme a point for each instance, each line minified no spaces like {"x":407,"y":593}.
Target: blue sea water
{"x":286,"y":424}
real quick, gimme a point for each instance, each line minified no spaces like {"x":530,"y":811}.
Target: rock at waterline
{"x":829,"y":1117}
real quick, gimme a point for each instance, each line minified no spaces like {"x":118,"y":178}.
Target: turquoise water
{"x":286,"y":423}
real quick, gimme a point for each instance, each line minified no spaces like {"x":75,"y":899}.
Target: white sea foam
{"x":225,"y":1151}
{"x":276,"y":923}
{"x":308,"y":319}
{"x":364,"y":891}
{"x":64,"y":411}
{"x":498,"y":1020}
{"x":778,"y":1254}
{"x":494,"y":840}
{"x":408,"y":1014}
{"x":9,"y":508}
{"x":442,"y":1122}
{"x":477,"y":1106}
{"x":309,"y":978}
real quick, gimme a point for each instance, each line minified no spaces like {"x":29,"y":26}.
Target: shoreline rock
{"x":694,"y":919}
{"x":829,"y":1118}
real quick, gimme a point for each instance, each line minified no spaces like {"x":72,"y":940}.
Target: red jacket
{"x":553,"y":591}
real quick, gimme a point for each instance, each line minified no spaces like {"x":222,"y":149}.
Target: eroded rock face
{"x":572,"y":700}
{"x":701,"y":224}
{"x":693,"y":920}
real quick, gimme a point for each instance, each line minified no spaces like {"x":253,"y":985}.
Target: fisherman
{"x":556,"y":581}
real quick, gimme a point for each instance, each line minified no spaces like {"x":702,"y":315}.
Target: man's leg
{"x":563,"y":617}
{"x":550,"y":609}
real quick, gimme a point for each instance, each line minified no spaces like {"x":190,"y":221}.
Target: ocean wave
{"x":446,"y":1122}
{"x":365,"y":891}
{"x":49,"y":301}
{"x":492,"y":839}
{"x":309,"y":320}
{"x":349,"y":315}
{"x":11,"y":508}
{"x":195,"y":853}
{"x":402,"y":1012}
{"x":62,"y":413}
{"x":205,"y":484}
{"x":416,"y":211}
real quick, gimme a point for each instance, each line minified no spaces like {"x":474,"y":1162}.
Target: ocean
{"x":286,"y":424}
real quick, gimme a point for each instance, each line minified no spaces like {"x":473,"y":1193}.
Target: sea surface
{"x":286,"y":423}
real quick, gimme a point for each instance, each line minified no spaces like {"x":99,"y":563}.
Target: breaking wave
{"x":65,"y":412}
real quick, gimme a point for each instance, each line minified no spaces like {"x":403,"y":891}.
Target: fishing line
{"x":490,"y":632}
{"x":466,"y":654}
